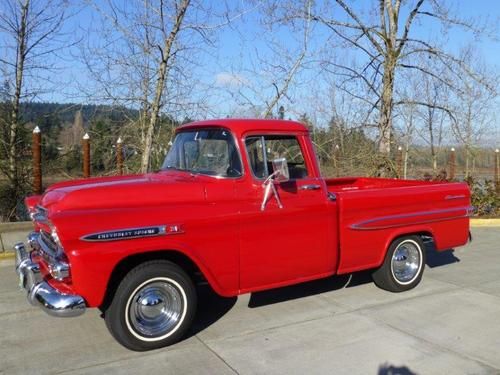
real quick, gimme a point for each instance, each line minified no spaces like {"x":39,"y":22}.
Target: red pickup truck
{"x":239,"y":203}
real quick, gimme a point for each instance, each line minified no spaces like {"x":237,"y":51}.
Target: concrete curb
{"x":13,"y":227}
{"x":11,"y":233}
{"x":476,"y":222}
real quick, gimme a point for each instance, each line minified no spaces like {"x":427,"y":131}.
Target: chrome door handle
{"x":310,"y":187}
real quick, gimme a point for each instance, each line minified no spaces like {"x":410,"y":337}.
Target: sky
{"x":228,"y":50}
{"x":231,"y":68}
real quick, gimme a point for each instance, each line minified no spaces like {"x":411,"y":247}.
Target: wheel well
{"x":424,"y":235}
{"x":126,"y":264}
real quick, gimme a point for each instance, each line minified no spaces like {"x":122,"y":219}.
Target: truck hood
{"x":127,"y":191}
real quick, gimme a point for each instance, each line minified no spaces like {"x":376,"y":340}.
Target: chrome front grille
{"x":48,"y":241}
{"x":43,"y":241}
{"x":46,"y":247}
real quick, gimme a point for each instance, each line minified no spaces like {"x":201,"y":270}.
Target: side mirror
{"x":280,"y":170}
{"x":280,"y":174}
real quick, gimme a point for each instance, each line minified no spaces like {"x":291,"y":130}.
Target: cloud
{"x":226,"y":79}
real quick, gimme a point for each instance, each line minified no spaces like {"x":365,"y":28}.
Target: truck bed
{"x":372,"y":212}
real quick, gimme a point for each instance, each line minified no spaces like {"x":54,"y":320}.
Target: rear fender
{"x":417,"y":231}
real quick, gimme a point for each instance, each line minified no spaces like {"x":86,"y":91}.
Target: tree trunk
{"x":468,"y":141}
{"x":467,"y":159}
{"x":160,"y":86}
{"x":430,"y":123}
{"x":14,"y":125}
{"x":405,"y":163}
{"x":385,"y":121}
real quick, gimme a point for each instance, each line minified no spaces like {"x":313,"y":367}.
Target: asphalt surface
{"x":449,"y":324}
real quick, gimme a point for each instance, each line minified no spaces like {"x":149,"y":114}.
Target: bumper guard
{"x":40,"y":293}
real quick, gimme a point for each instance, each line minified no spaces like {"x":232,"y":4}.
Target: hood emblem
{"x":130,"y":233}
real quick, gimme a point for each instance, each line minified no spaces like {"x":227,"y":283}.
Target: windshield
{"x":207,"y":151}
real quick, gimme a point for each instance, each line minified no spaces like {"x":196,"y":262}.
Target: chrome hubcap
{"x":406,"y":262}
{"x":156,"y":309}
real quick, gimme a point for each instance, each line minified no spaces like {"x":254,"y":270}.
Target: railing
{"x":449,"y":173}
{"x":86,"y":145}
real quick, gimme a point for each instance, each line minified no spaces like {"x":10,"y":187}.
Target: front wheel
{"x":403,"y":266}
{"x":153,"y":306}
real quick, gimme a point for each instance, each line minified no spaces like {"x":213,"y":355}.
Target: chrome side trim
{"x":455,"y":213}
{"x":451,"y":197}
{"x":133,"y":233}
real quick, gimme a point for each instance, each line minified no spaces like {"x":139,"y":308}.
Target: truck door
{"x":291,"y":243}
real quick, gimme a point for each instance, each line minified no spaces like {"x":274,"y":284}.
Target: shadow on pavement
{"x":211,"y":307}
{"x":310,"y":288}
{"x":439,"y":258}
{"x":387,"y":369}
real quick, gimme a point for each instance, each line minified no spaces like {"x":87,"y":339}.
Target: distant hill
{"x":34,"y":111}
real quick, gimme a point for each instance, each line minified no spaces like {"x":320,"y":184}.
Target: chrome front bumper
{"x":40,"y":293}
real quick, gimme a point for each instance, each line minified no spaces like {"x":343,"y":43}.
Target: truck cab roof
{"x":242,"y":126}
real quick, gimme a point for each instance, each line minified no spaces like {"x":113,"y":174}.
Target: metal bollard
{"x":497,"y":171}
{"x":86,"y":155}
{"x":119,"y":156}
{"x":452,"y":164}
{"x":37,"y":161}
{"x":399,"y":162}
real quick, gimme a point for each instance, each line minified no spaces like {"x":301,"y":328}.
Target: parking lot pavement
{"x":449,"y":323}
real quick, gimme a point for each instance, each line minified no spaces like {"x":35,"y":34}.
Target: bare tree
{"x":144,"y":58}
{"x":30,"y":31}
{"x":385,"y":43}
{"x":287,"y":71}
{"x":433,"y":118}
{"x":474,"y":107}
{"x":166,"y":53}
{"x":408,"y":115}
{"x":434,"y":121}
{"x":265,"y":79}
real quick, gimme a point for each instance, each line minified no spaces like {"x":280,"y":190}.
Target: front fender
{"x":92,"y":267}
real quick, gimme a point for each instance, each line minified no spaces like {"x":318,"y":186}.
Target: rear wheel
{"x":403,"y":265}
{"x":153,"y":306}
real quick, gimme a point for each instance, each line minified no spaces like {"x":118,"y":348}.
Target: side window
{"x":262,"y":150}
{"x":256,"y":157}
